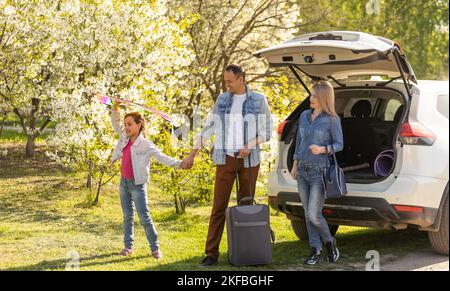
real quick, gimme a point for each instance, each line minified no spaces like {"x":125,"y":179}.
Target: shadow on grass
{"x":284,"y":254}
{"x":19,"y":206}
{"x":23,"y":208}
{"x":12,"y":213}
{"x":85,"y":261}
{"x":289,"y":255}
{"x":15,"y":165}
{"x":171,"y":221}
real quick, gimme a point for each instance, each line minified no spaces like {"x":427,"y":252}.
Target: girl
{"x":319,"y":131}
{"x":135,"y":151}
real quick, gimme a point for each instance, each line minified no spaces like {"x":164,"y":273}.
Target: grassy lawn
{"x":10,"y":136}
{"x":42,"y":219}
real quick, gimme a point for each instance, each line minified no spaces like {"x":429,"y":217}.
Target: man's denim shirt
{"x":257,"y":122}
{"x":325,"y":130}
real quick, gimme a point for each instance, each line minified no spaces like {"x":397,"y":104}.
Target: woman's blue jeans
{"x":312,"y":196}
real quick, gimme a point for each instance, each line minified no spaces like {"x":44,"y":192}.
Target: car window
{"x":442,"y":104}
{"x":351,"y":102}
{"x":391,"y":109}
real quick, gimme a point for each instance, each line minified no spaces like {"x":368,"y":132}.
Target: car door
{"x":340,"y":54}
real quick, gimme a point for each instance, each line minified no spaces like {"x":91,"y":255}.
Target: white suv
{"x":382,"y":107}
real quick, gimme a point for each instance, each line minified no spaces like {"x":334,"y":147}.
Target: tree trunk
{"x":99,"y":186}
{"x":179,"y":205}
{"x":175,"y":195}
{"x":181,"y":201}
{"x":29,"y":149}
{"x":89,"y":178}
{"x":32,"y":133}
{"x":175,"y":199}
{"x":182,"y":204}
{"x":1,"y":127}
{"x":89,"y":182}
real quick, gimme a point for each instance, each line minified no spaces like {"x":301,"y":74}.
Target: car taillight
{"x":405,"y":208}
{"x":281,"y":128}
{"x":414,"y":133}
{"x":328,"y":211}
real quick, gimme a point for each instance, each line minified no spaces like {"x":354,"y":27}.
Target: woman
{"x":319,"y":131}
{"x":136,"y":151}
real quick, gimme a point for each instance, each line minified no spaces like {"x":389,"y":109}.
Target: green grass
{"x":12,"y":136}
{"x":42,"y":219}
{"x":13,"y":120}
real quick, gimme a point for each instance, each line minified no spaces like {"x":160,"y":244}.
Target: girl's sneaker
{"x":157,"y":254}
{"x":126,"y":252}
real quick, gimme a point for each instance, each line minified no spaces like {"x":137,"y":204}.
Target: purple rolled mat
{"x":383,"y":163}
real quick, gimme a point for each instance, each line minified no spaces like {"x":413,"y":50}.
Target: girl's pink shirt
{"x":127,"y":166}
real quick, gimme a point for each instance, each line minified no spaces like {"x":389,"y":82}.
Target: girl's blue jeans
{"x":135,"y":197}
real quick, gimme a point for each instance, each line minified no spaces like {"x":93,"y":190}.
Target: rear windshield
{"x":384,"y":104}
{"x":391,"y":109}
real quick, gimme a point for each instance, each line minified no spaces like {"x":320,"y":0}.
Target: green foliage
{"x":283,"y":94}
{"x":194,"y":186}
{"x":420,"y":27}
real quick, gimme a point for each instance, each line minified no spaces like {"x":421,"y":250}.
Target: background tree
{"x":4,"y":111}
{"x":421,"y":28}
{"x":224,"y":32}
{"x":30,"y":72}
{"x":127,"y":49}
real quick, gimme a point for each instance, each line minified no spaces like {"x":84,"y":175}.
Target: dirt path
{"x":423,"y":260}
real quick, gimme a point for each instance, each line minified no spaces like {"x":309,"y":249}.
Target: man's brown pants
{"x":225,"y":177}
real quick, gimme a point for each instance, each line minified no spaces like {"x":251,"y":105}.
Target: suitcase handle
{"x":252,"y":196}
{"x":248,"y":198}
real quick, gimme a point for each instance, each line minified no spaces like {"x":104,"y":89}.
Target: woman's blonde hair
{"x":324,"y":92}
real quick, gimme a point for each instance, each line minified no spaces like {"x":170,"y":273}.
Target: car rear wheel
{"x":439,"y":239}
{"x":299,"y":227}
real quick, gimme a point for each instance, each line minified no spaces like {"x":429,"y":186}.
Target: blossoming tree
{"x":129,"y":49}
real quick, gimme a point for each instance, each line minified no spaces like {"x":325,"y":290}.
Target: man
{"x":240,"y":122}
